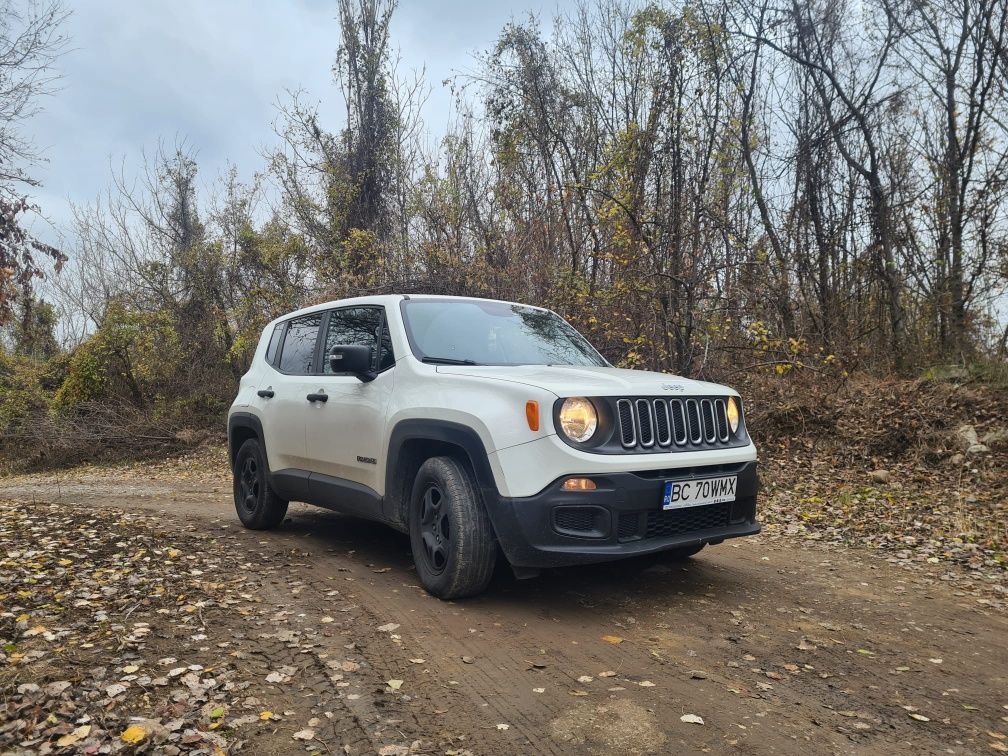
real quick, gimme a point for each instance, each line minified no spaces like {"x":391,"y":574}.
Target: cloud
{"x":211,"y":73}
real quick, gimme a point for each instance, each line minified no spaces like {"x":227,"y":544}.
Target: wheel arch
{"x":414,"y":441}
{"x":241,"y":427}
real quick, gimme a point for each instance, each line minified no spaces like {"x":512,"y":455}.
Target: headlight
{"x":733,"y":414}
{"x":578,"y":419}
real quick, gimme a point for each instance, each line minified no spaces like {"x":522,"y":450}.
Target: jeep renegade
{"x":478,"y":427}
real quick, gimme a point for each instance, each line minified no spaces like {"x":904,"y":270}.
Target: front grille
{"x":673,"y":522}
{"x":644,"y":423}
{"x":662,"y":427}
{"x":628,"y":434}
{"x":693,"y":416}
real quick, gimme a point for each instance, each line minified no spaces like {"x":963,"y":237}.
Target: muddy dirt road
{"x":777,"y":647}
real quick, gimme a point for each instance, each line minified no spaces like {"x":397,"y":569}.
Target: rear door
{"x":286,"y":412}
{"x":345,"y":433}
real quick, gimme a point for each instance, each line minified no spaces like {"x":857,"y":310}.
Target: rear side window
{"x":298,"y":351}
{"x":274,"y":344}
{"x":360,"y":326}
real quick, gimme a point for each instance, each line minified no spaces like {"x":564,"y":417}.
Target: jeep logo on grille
{"x":673,"y":387}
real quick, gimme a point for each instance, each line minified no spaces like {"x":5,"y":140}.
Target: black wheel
{"x":682,"y":553}
{"x":258,"y":505}
{"x":453,"y":543}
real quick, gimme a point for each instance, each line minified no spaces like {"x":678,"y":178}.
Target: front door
{"x":344,"y":433}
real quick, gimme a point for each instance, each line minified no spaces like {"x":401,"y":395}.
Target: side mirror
{"x":355,"y":359}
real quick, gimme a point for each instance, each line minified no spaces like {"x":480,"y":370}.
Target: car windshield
{"x":471,"y":332}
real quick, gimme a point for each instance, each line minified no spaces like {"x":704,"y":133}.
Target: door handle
{"x":265,"y":393}
{"x":320,"y":397}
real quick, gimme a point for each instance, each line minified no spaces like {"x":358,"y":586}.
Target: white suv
{"x":482,"y":427}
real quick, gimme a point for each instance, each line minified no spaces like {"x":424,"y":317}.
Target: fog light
{"x":579,"y":484}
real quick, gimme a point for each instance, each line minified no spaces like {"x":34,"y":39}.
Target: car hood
{"x":567,"y":380}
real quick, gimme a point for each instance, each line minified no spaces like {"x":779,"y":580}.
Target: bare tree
{"x":847,"y":70}
{"x":952,"y":52}
{"x":30,"y":43}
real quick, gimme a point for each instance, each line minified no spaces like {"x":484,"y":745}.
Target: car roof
{"x":386,"y":300}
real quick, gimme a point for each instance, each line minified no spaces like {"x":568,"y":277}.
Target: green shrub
{"x":132,"y":358}
{"x":22,"y":396}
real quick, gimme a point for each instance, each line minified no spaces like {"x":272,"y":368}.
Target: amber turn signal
{"x":579,"y":484}
{"x":532,"y":414}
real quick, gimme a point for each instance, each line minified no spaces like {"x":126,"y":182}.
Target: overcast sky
{"x":210,"y":71}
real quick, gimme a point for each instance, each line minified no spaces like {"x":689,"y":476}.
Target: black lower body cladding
{"x":623,"y":517}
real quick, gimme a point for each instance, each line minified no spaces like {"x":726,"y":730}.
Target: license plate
{"x":694,"y":493}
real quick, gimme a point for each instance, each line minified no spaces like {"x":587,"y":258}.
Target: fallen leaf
{"x":538,"y":690}
{"x":468,"y":659}
{"x":265,"y":715}
{"x":305,"y":734}
{"x":133,"y":734}
{"x":585,"y":679}
{"x":614,"y":639}
{"x":56,"y":688}
{"x":418,"y":661}
{"x":646,"y":684}
{"x":388,"y":628}
{"x":503,"y":726}
{"x":691,"y":719}
{"x":918,"y":717}
{"x":72,"y":737}
{"x":394,"y":684}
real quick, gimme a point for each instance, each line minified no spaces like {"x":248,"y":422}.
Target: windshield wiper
{"x":447,"y":361}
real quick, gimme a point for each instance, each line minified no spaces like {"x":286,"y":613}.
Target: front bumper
{"x":621,"y":518}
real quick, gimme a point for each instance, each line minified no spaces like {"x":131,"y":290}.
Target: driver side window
{"x":360,"y":326}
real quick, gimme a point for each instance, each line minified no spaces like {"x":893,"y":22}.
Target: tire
{"x":258,"y":505}
{"x":683,"y":553}
{"x":453,"y":543}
